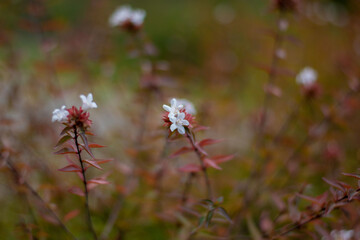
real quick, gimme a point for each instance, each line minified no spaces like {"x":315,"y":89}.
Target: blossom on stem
{"x":88,"y":101}
{"x":60,"y":115}
{"x":178,"y":122}
{"x":174,"y":109}
{"x":127,"y":18}
{"x":307,"y":76}
{"x":177,"y":117}
{"x":79,"y":117}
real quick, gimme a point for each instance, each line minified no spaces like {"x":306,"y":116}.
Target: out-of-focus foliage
{"x":224,"y":57}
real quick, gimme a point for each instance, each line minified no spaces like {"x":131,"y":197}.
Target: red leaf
{"x":90,"y":133}
{"x":98,"y":181}
{"x":70,"y":168}
{"x":101,"y":161}
{"x":211,"y":163}
{"x":92,"y":163}
{"x":209,"y":141}
{"x":357,"y":176}
{"x":181,"y":151}
{"x":65,"y":150}
{"x":94,"y":145}
{"x":222,"y":158}
{"x":190,"y":168}
{"x":311,"y":199}
{"x":86,"y":145}
{"x":200,"y":128}
{"x":77,"y":191}
{"x":334,"y":184}
{"x":71,"y":215}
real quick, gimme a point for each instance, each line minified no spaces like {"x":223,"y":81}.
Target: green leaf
{"x":209,"y":216}
{"x":254,"y":231}
{"x":65,"y":130}
{"x":201,"y":221}
{"x":63,"y":140}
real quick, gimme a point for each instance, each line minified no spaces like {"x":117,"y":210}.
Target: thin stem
{"x":315,"y":216}
{"x":88,"y":216}
{"x":17,"y":177}
{"x":203,"y":167}
{"x":271,"y":79}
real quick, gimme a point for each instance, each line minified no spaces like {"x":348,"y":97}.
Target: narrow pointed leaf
{"x":63,"y":140}
{"x":70,"y":168}
{"x":209,"y":162}
{"x":224,"y":213}
{"x":181,"y":151}
{"x":77,"y":191}
{"x":190,"y":168}
{"x":209,"y":216}
{"x":71,"y":215}
{"x":209,"y":141}
{"x":94,"y":145}
{"x":222,"y":158}
{"x":86,"y":145}
{"x":98,"y":181}
{"x":357,"y":176}
{"x":65,"y":130}
{"x":93,"y":163}
{"x":102,"y":161}
{"x":65,"y":150}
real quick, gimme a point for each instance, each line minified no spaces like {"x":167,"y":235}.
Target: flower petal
{"x":173,"y":103}
{"x":181,"y":115}
{"x":181,"y":129}
{"x":173,"y":127}
{"x":185,"y":122}
{"x":167,"y":108}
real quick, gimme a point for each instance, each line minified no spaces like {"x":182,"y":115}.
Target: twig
{"x":17,"y":177}
{"x":88,"y":216}
{"x":203,"y":167}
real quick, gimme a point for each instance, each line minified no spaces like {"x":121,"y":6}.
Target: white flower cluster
{"x":176,"y":117}
{"x":61,"y":114}
{"x":126,"y":14}
{"x":307,"y":77}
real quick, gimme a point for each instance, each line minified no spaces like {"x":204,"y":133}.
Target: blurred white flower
{"x":178,"y":122}
{"x":307,"y":76}
{"x":281,"y":53}
{"x":342,"y":234}
{"x":283,"y":25}
{"x":125,"y":14}
{"x":60,"y":114}
{"x":189,"y":106}
{"x":88,"y":101}
{"x":174,"y":110}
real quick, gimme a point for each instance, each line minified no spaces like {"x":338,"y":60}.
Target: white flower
{"x":88,"y":101}
{"x":189,"y":106}
{"x":307,"y":76}
{"x":126,"y":14}
{"x":280,"y":53}
{"x":283,"y":25}
{"x":342,"y":234}
{"x":178,"y":122}
{"x":174,"y":110}
{"x":60,"y":114}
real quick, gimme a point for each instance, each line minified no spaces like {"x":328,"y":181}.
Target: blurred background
{"x":218,"y":55}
